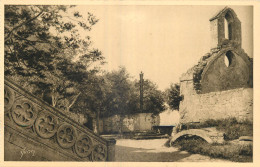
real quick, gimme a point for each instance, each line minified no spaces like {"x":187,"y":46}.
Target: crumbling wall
{"x":221,"y":84}
{"x":236,"y":103}
{"x":228,"y":70}
{"x":131,"y":123}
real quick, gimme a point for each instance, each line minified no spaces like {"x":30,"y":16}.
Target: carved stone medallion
{"x":66,"y":136}
{"x":99,"y":153}
{"x":46,"y":125}
{"x":8,"y":98}
{"x":24,"y":112}
{"x":83,"y":146}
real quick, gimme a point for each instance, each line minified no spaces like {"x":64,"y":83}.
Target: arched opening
{"x":228,"y":58}
{"x":191,"y":133}
{"x":228,"y":26}
{"x":188,"y":139}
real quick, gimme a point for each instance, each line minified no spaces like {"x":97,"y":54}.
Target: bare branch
{"x":74,"y":100}
{"x":20,"y":25}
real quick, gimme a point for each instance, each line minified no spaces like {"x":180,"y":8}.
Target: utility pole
{"x":141,"y":91}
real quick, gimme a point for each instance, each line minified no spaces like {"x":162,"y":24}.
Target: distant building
{"x":169,"y":118}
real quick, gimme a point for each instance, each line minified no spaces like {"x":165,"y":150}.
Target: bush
{"x":232,"y":130}
{"x":233,"y":152}
{"x":230,"y":126}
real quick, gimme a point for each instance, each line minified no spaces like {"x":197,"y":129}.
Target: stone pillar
{"x":111,"y":149}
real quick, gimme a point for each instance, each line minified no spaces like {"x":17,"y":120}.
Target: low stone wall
{"x":211,"y":135}
{"x":79,"y":118}
{"x":35,"y":131}
{"x":131,"y":123}
{"x":236,"y":103}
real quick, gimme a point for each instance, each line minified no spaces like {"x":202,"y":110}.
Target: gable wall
{"x":218,"y":77}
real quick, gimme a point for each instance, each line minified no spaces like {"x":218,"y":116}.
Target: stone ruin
{"x":220,"y":85}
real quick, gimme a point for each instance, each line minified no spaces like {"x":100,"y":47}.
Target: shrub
{"x":230,"y":126}
{"x":232,"y":130}
{"x":233,"y":152}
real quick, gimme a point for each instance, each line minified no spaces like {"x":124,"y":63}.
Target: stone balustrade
{"x":36,"y":131}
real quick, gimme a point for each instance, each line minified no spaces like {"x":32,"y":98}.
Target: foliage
{"x":46,"y":51}
{"x":233,"y":152}
{"x":197,"y":72}
{"x":119,"y":92}
{"x":230,"y":126}
{"x":173,"y":96}
{"x":121,"y":95}
{"x":153,"y":99}
{"x":49,"y":53}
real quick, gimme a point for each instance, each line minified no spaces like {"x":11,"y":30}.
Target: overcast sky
{"x":161,"y":41}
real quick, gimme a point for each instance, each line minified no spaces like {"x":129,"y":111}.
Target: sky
{"x":161,"y":41}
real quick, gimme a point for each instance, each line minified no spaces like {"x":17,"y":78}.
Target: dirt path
{"x":128,"y":150}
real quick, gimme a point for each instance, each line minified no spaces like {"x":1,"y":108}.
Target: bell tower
{"x":225,"y":30}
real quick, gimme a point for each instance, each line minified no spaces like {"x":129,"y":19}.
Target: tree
{"x":153,"y":100}
{"x":45,"y":52}
{"x":173,"y":96}
{"x":118,"y":95}
{"x":107,"y":95}
{"x":119,"y":91}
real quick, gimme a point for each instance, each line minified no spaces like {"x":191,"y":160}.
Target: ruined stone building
{"x":220,"y":85}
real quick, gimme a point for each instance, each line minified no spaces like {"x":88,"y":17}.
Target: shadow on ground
{"x":131,"y":154}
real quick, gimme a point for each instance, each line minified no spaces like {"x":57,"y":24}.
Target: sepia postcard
{"x":123,"y":83}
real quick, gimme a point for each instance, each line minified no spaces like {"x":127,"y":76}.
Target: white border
{"x":256,"y":54}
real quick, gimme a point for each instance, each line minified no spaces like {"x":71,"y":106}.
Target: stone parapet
{"x":35,"y":131}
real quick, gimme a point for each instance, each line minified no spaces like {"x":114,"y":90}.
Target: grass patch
{"x":231,"y":127}
{"x":233,"y":152}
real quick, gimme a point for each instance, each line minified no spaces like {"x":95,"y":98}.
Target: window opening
{"x":228,"y":58}
{"x":226,"y":28}
{"x":228,"y":21}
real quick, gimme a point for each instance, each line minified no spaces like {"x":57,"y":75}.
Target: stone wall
{"x":236,"y":103}
{"x":229,"y":69}
{"x":131,"y":123}
{"x":79,"y":118}
{"x":35,"y":131}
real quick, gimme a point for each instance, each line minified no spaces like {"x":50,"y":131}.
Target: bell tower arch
{"x":225,"y":30}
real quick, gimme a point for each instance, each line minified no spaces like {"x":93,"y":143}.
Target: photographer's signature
{"x":26,"y":151}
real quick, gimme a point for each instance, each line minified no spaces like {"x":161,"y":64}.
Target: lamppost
{"x":141,"y":91}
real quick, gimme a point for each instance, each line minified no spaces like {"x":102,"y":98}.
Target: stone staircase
{"x":35,"y":131}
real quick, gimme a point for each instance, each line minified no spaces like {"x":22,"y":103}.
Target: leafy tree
{"x":153,"y":100}
{"x":173,"y":96}
{"x":118,"y":94}
{"x":119,"y":91}
{"x":122,"y":95}
{"x":45,"y":52}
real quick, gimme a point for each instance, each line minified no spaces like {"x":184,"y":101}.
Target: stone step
{"x":137,"y":136}
{"x":246,"y":138}
{"x":141,"y":137}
